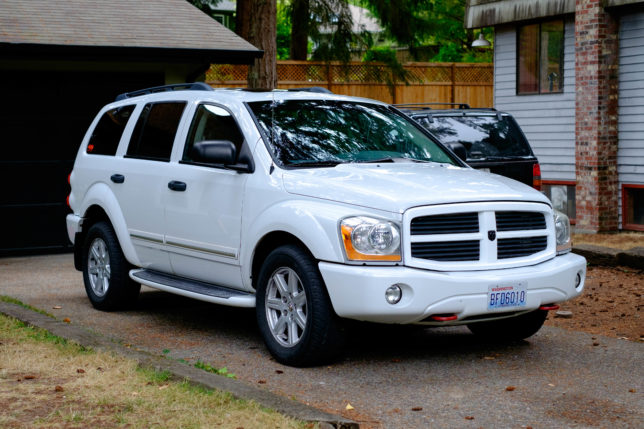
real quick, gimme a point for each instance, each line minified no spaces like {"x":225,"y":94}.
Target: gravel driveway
{"x":392,"y":377}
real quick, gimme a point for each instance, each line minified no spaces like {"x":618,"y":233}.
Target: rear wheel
{"x":294,"y":313}
{"x":510,"y":329}
{"x":105,"y":270}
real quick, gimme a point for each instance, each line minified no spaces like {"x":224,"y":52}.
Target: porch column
{"x":597,"y":86}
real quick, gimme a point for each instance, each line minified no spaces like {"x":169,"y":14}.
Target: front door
{"x":203,"y":222}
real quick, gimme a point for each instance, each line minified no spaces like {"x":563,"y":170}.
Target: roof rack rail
{"x":194,"y":86}
{"x":420,"y":106}
{"x":318,"y":89}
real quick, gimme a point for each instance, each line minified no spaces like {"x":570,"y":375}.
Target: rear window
{"x":484,"y":137}
{"x":155,"y":130}
{"x":107,"y":134}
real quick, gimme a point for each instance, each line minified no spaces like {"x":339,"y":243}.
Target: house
{"x":570,"y":71}
{"x":60,"y":62}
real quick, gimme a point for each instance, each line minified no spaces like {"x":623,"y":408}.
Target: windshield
{"x":320,"y":133}
{"x":484,"y":137}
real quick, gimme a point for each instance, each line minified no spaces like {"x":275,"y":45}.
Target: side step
{"x":193,"y":288}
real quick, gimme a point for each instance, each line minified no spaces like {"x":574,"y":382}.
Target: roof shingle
{"x":174,"y":24}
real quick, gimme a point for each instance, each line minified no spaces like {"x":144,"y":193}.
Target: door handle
{"x":117,"y":178}
{"x":175,"y":185}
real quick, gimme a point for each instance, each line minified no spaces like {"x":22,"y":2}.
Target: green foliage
{"x":219,"y":371}
{"x":283,"y":31}
{"x":416,"y":23}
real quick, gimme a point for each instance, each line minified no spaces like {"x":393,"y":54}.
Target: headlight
{"x":562,"y":232}
{"x":368,"y":239}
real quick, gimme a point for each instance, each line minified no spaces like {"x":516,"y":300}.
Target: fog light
{"x":577,"y":280}
{"x":393,"y":294}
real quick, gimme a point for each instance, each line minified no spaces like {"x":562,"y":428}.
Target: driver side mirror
{"x":214,"y":152}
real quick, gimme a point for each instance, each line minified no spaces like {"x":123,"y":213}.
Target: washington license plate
{"x":507,"y":296}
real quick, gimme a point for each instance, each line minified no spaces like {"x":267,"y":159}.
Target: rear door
{"x":141,"y":183}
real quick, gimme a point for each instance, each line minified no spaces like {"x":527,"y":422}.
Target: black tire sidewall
{"x":318,"y":340}
{"x":121,"y":289}
{"x":510,"y":329}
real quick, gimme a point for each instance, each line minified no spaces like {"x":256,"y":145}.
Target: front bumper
{"x":358,"y":292}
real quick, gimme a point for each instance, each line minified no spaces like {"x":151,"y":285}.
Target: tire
{"x":294,"y":312}
{"x":510,"y":329}
{"x":105,"y":270}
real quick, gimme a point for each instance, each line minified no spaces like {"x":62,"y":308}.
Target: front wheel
{"x":105,"y":270}
{"x":294,"y":313}
{"x":511,"y":328}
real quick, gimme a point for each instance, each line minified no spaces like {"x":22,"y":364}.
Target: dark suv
{"x":489,"y":140}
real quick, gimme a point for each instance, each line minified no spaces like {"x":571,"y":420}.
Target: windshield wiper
{"x":390,"y":159}
{"x":309,"y":164}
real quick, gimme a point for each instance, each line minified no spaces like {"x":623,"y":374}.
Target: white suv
{"x":310,"y":207}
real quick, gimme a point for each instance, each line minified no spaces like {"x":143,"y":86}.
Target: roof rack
{"x":194,"y":86}
{"x":421,"y":106}
{"x":318,"y":89}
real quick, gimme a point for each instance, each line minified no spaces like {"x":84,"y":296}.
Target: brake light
{"x":69,"y":179}
{"x":536,"y":176}
{"x":67,"y":201}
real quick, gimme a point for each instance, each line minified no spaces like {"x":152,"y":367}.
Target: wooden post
{"x":453,"y":78}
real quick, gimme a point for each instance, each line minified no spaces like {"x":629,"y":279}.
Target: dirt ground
{"x":610,"y":305}
{"x":612,"y":301}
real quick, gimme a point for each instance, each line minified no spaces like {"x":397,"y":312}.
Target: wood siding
{"x":630,"y":156}
{"x":548,"y":120}
{"x":630,"y":153}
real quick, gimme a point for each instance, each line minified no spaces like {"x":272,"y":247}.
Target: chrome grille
{"x":520,"y":246}
{"x":519,"y":221}
{"x":447,"y":250}
{"x":458,"y":223}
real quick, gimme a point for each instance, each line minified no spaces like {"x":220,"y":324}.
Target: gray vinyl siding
{"x":548,"y":120}
{"x":630,"y":154}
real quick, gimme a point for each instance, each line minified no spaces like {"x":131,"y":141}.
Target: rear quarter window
{"x":107,"y":134}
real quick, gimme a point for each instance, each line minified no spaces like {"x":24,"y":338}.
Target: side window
{"x":107,"y":133}
{"x":155,"y":131}
{"x":212,"y":123}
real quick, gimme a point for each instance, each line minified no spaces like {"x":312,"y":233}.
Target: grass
{"x":46,"y":381}
{"x":621,"y":240}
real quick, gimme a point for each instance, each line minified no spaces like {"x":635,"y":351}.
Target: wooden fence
{"x":470,"y":83}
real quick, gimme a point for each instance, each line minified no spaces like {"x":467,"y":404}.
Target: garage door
{"x":43,"y":118}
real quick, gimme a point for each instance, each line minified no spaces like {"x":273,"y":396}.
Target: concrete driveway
{"x":392,"y":377}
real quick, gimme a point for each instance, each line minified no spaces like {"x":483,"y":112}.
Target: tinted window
{"x":540,"y":50}
{"x":155,"y":131}
{"x":212,"y":123}
{"x":324,"y":132}
{"x":484,"y":137}
{"x":107,"y":133}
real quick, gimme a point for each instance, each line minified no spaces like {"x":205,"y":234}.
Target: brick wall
{"x":597,"y":86}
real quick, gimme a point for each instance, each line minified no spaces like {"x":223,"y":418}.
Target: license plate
{"x":507,"y":296}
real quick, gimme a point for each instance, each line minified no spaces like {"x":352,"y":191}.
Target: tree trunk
{"x":257,"y":23}
{"x":299,"y":29}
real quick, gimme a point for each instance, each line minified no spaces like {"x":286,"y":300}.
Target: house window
{"x":540,"y":50}
{"x":633,"y":207}
{"x":562,"y":196}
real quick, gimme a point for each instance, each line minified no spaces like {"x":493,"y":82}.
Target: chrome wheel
{"x":98,"y":267}
{"x":286,"y":307}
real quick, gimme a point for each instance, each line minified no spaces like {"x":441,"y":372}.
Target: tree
{"x":413,"y":23}
{"x":256,"y":22}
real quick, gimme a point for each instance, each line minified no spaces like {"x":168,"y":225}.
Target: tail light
{"x":536,"y":176}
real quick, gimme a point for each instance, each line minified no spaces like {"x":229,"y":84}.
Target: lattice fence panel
{"x":474,"y":74}
{"x":226,"y":72}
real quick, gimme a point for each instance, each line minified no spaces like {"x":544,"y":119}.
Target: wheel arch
{"x":267,"y":244}
{"x":100,"y":204}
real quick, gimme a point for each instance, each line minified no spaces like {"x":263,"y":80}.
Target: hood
{"x":396,"y":187}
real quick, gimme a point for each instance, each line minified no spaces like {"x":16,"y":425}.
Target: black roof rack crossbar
{"x":194,"y":86}
{"x":318,"y":89}
{"x":419,"y":106}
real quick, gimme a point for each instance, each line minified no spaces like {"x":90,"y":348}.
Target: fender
{"x":314,"y":222}
{"x":99,"y":194}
